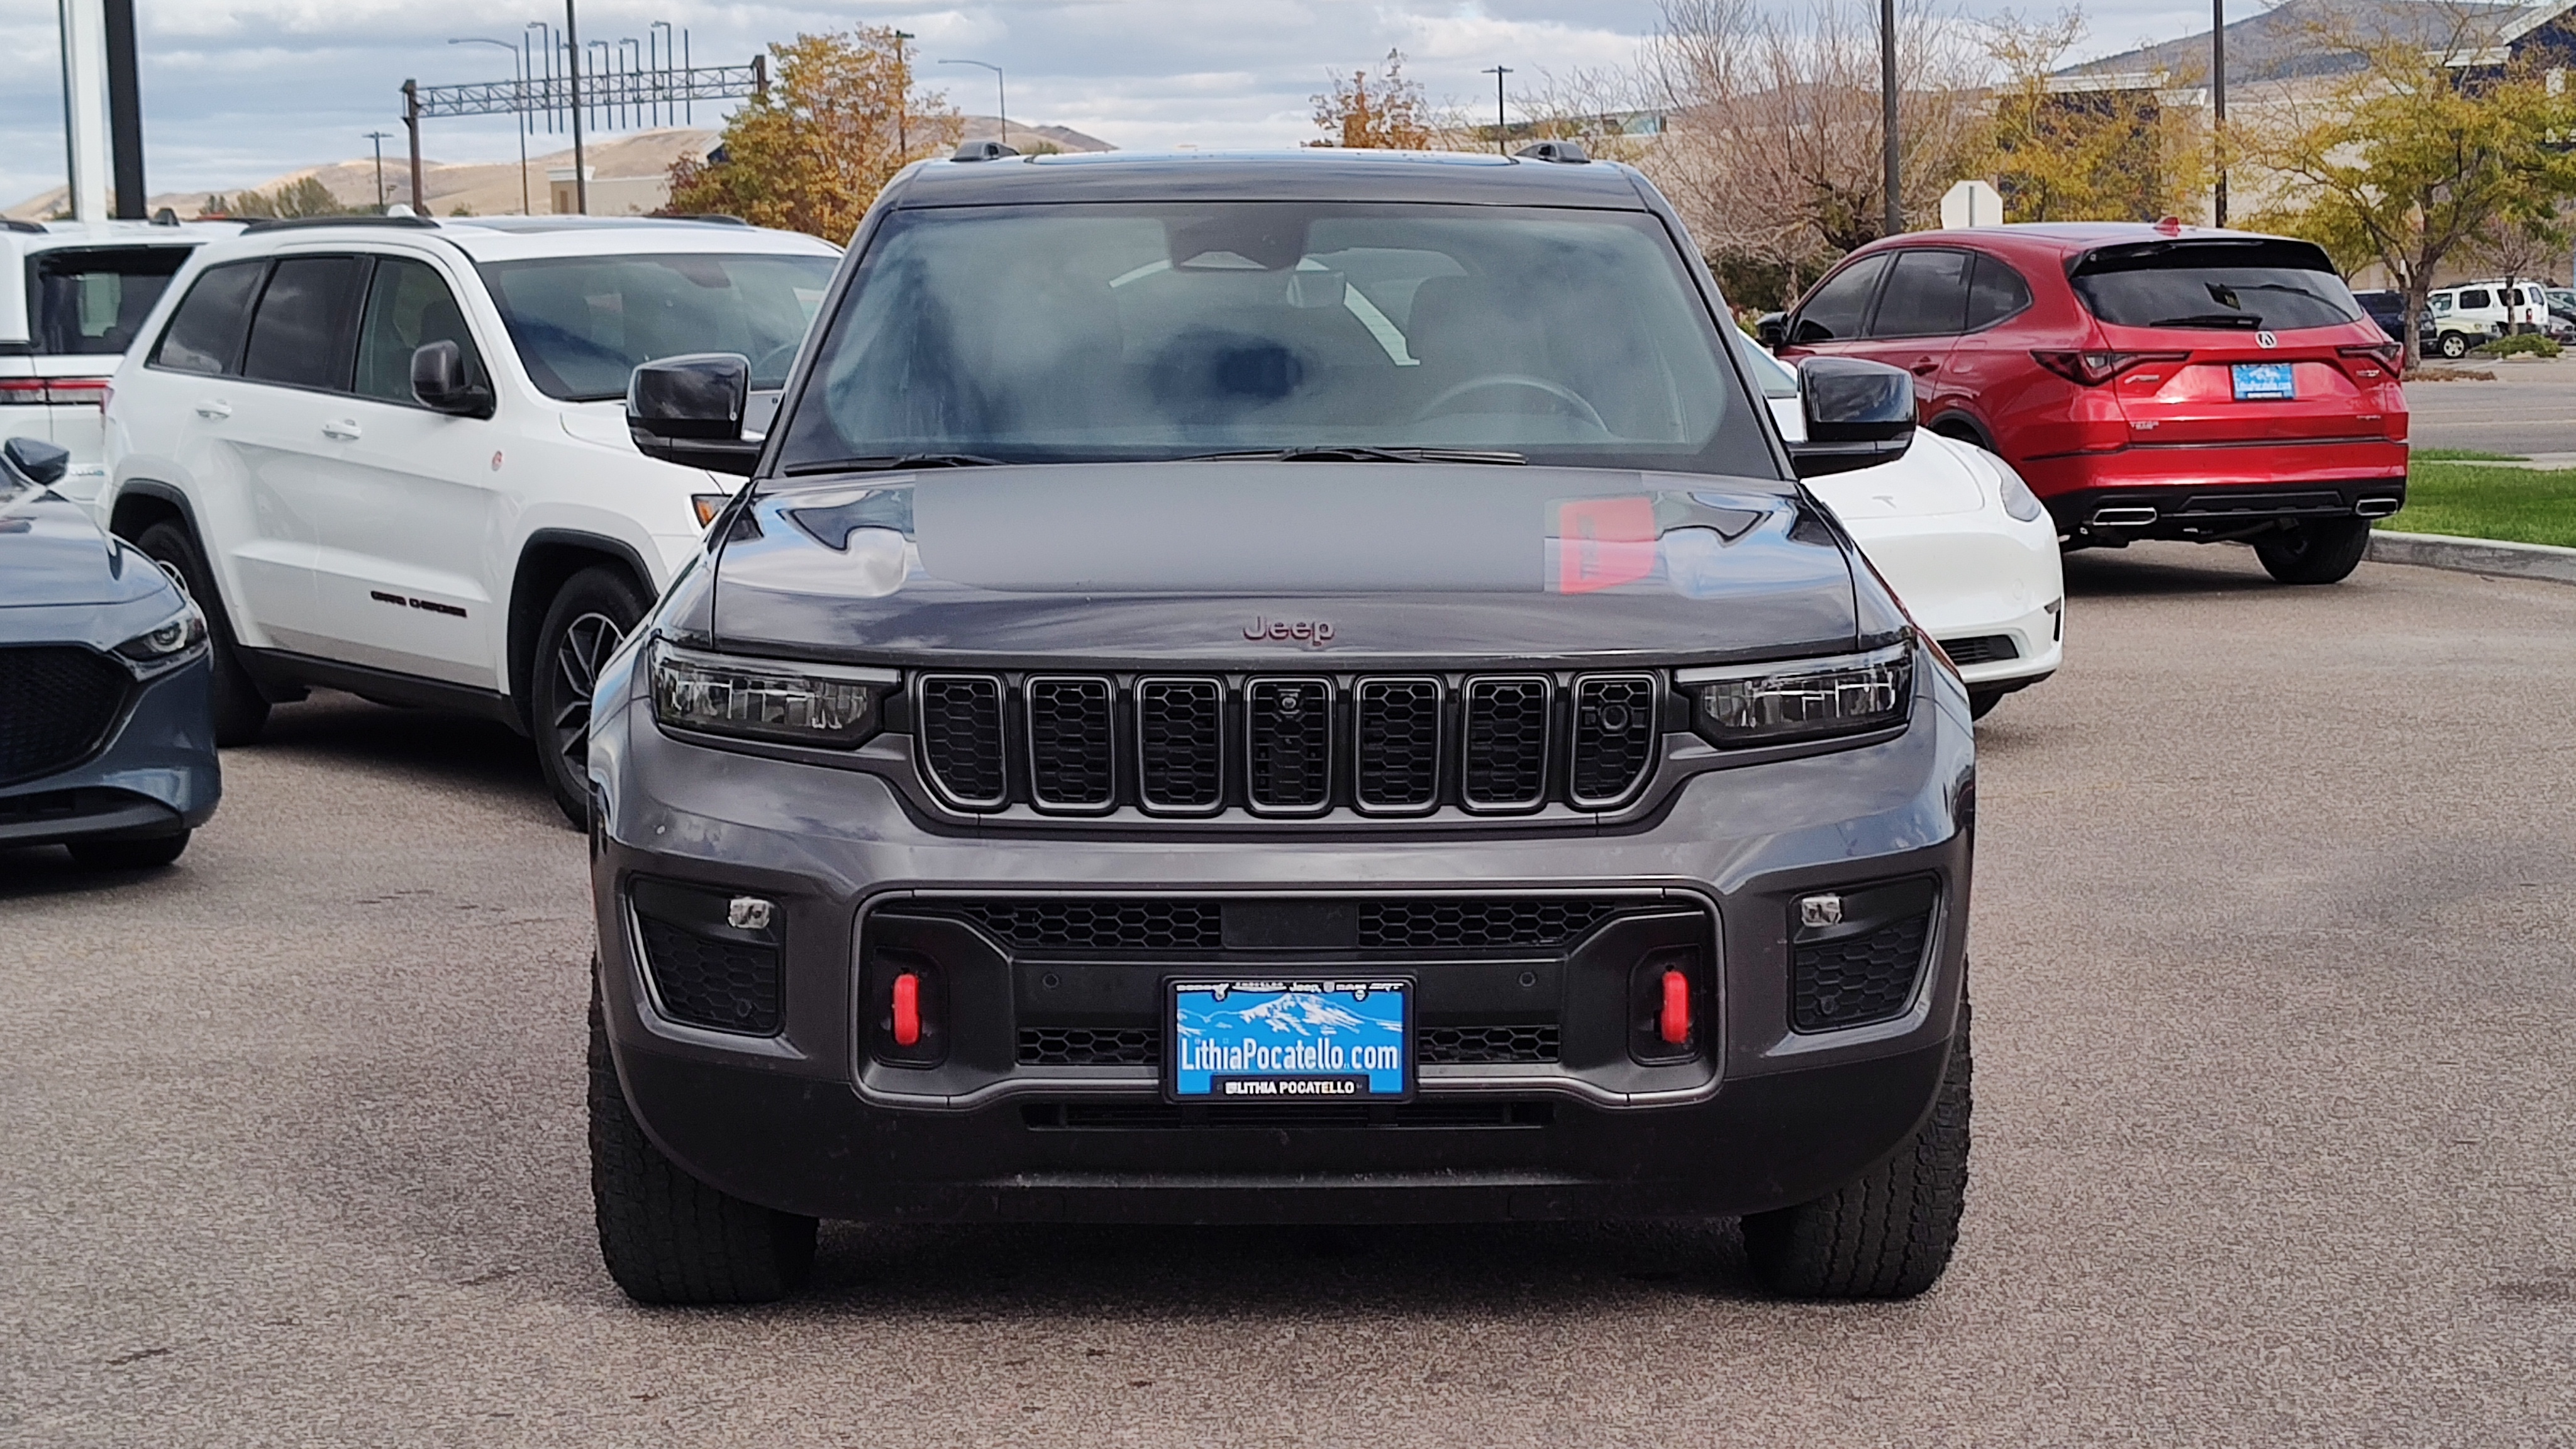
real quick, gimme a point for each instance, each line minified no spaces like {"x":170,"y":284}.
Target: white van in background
{"x":2459,"y":318}
{"x":72,"y":295}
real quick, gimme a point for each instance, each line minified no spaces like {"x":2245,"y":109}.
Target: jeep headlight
{"x":167,"y":642}
{"x":830,"y":705}
{"x":1768,"y":704}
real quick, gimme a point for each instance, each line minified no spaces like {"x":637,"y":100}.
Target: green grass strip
{"x":2462,"y":500}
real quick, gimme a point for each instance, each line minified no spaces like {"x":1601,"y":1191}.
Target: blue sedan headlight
{"x":168,"y":642}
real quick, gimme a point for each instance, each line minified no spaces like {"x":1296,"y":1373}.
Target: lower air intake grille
{"x":1473,"y":1045}
{"x":1085,"y":1046}
{"x":1981,"y":649}
{"x":1087,"y":925}
{"x":724,"y":985}
{"x":1506,"y":743}
{"x":1180,"y":743}
{"x":1858,"y":979}
{"x":1468,"y":925}
{"x":961,"y":737}
{"x":56,"y":706}
{"x":1071,"y":748}
{"x":1289,"y":726}
{"x":1398,"y":763}
{"x":1614,"y":737}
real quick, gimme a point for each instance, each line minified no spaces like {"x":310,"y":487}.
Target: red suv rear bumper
{"x":2220,"y":491}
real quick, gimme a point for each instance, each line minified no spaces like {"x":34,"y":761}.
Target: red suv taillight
{"x":37,"y":391}
{"x":2389,"y":355}
{"x":2092,"y":369}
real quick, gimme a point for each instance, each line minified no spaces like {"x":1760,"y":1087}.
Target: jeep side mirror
{"x":40,"y":463}
{"x":440,"y":382}
{"x":1772,"y":329}
{"x":1858,"y":414}
{"x":689,"y":410}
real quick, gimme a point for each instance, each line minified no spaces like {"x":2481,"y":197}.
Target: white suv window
{"x":205,"y":335}
{"x":301,"y":334}
{"x":408,"y":306}
{"x":583,"y":324}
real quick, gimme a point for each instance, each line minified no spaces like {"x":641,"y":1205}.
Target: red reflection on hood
{"x":1603,"y":543}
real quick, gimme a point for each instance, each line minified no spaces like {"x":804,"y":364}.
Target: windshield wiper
{"x":1353,"y":453}
{"x":897,"y":462}
{"x":2211,"y":319}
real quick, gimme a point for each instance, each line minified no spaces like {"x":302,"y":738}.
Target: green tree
{"x":2061,"y":153}
{"x":1389,"y":115}
{"x":840,"y":117}
{"x":2413,"y":159}
{"x":304,"y":196}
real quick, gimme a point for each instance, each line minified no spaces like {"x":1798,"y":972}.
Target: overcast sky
{"x":237,"y":91}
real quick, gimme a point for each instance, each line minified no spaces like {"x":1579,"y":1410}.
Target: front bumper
{"x":814,"y":1119}
{"x":154,"y":773}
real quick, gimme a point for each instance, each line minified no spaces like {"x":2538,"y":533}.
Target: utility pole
{"x":379,"y":138}
{"x":1501,"y":144}
{"x":902,"y":98}
{"x":1889,"y":178}
{"x":1001,"y":97}
{"x":572,"y":75}
{"x":2218,"y":102}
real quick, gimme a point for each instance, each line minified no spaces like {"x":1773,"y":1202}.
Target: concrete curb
{"x":2475,"y":555}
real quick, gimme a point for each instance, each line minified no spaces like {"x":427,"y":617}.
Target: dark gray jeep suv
{"x":1277,"y":688}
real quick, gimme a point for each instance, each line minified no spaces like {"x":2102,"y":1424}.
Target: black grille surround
{"x":1385,"y":748}
{"x":1981,"y":649}
{"x":57,"y":706}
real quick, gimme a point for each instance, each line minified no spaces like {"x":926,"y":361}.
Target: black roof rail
{"x":280,"y":223}
{"x":11,"y":223}
{"x":1563,"y":153}
{"x":982,"y":151}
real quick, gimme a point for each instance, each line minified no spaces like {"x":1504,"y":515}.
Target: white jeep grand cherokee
{"x":390,"y":454}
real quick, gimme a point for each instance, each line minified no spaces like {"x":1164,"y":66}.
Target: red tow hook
{"x":907,"y":1008}
{"x":1673,"y":1022}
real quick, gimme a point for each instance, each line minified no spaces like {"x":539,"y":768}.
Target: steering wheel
{"x":1491,"y":380}
{"x":783,"y":354}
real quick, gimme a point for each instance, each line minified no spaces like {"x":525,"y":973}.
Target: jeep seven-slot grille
{"x":56,"y":704}
{"x":1382,"y":745}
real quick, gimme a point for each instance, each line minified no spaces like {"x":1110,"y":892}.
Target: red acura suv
{"x":2148,"y":381}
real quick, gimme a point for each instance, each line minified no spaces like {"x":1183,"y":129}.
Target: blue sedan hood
{"x":51,"y":552}
{"x":1256,"y":561}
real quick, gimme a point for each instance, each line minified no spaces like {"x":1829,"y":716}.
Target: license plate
{"x":2264,"y":382}
{"x":1300,"y":1040}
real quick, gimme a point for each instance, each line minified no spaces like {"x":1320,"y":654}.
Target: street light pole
{"x":1001,"y":97}
{"x":662,"y":89}
{"x":379,"y":138}
{"x":572,"y":76}
{"x":1498,"y":72}
{"x":2218,"y":102}
{"x":902,"y":98}
{"x":519,"y":99}
{"x":1889,"y":179}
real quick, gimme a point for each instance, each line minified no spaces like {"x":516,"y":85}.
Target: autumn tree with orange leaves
{"x":1388,"y":114}
{"x":840,"y":117}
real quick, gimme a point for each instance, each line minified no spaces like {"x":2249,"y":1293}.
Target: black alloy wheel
{"x":592,"y":614}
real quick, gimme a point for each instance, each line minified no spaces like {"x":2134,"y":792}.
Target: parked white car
{"x":390,"y":454}
{"x":1962,"y":540}
{"x":2459,"y":318}
{"x":73,"y":297}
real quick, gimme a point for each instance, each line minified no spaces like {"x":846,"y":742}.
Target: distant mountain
{"x":492,"y":188}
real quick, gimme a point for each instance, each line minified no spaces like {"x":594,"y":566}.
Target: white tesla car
{"x":1962,"y":540}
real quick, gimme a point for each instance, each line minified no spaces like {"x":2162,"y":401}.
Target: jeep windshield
{"x":582,"y":324}
{"x":1128,"y":332}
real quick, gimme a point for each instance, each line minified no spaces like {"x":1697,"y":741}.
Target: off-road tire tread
{"x":240,"y":710}
{"x":667,"y":1237}
{"x":1890,"y":1234}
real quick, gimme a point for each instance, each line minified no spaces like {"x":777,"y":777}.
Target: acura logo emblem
{"x":2266,"y":339}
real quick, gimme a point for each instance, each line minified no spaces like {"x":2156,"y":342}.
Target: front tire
{"x":591,"y":615}
{"x":2315,"y":553}
{"x":150,"y":853}
{"x":2453,"y":346}
{"x":665,"y":1236}
{"x":240,"y":710}
{"x":1890,"y":1234}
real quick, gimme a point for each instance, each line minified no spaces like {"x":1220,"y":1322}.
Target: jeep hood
{"x":52,"y":553}
{"x":1268,"y":563}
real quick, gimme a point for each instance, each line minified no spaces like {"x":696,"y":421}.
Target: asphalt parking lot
{"x":2273,"y":969}
{"x":2529,"y":407}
